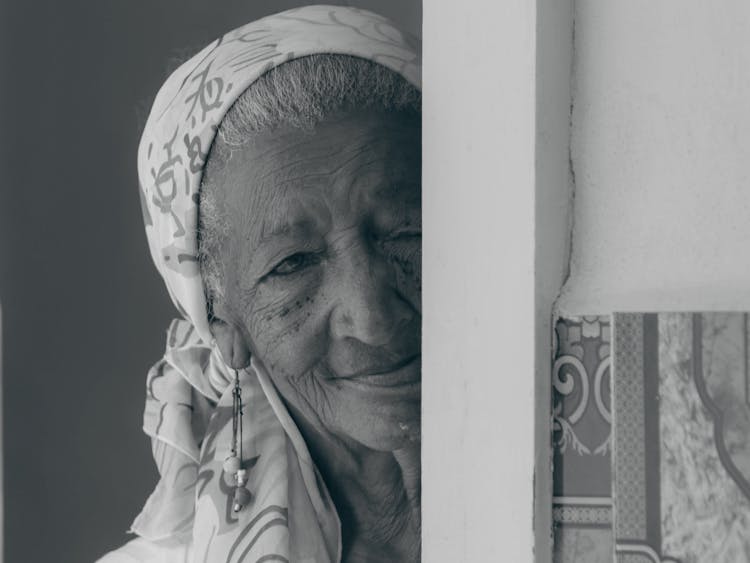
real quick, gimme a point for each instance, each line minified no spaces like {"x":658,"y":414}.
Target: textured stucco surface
{"x":660,"y":144}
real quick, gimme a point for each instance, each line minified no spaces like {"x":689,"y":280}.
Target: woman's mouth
{"x":407,"y":372}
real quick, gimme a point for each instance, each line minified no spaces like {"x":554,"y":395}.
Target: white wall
{"x":478,"y":298}
{"x":661,"y":155}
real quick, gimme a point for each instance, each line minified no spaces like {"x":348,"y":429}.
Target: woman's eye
{"x":403,"y":239}
{"x":294,"y":263}
{"x":404,"y":245}
{"x":404,"y":236}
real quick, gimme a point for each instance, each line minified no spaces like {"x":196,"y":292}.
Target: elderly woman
{"x":280,"y":181}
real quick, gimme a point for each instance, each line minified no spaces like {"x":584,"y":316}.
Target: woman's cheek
{"x":282,"y":325}
{"x":408,"y":271}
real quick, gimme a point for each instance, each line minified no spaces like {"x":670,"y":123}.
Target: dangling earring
{"x":233,"y":463}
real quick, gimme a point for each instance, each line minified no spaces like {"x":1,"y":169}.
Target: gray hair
{"x":299,"y":93}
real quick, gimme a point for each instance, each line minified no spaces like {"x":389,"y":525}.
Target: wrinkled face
{"x":324,"y":273}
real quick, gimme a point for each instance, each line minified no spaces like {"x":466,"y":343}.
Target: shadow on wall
{"x":85,"y":311}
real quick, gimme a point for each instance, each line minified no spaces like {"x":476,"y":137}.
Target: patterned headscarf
{"x":188,"y":405}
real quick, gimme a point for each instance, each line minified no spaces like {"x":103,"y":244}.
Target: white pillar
{"x":479,"y":287}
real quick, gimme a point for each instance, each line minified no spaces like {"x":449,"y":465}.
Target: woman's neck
{"x":377,"y":495}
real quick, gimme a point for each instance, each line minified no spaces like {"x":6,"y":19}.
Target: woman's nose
{"x":367,"y":305}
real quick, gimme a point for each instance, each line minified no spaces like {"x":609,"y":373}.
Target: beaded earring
{"x":233,"y":463}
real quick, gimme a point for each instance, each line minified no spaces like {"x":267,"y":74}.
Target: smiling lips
{"x":405,"y":372}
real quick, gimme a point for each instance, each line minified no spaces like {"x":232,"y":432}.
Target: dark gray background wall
{"x":84,"y":311}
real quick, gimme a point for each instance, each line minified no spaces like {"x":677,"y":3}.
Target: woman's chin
{"x":393,"y":441}
{"x":394,"y":428}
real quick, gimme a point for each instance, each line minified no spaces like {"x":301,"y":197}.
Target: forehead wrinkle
{"x":264,"y":212}
{"x":282,"y":226}
{"x":266,"y":163}
{"x":288,"y":169}
{"x":320,"y":159}
{"x":383,"y":184}
{"x":290,"y":139}
{"x":263,"y":147}
{"x":339,"y":181}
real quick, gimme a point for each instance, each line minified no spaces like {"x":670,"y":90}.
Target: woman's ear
{"x":232,"y":345}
